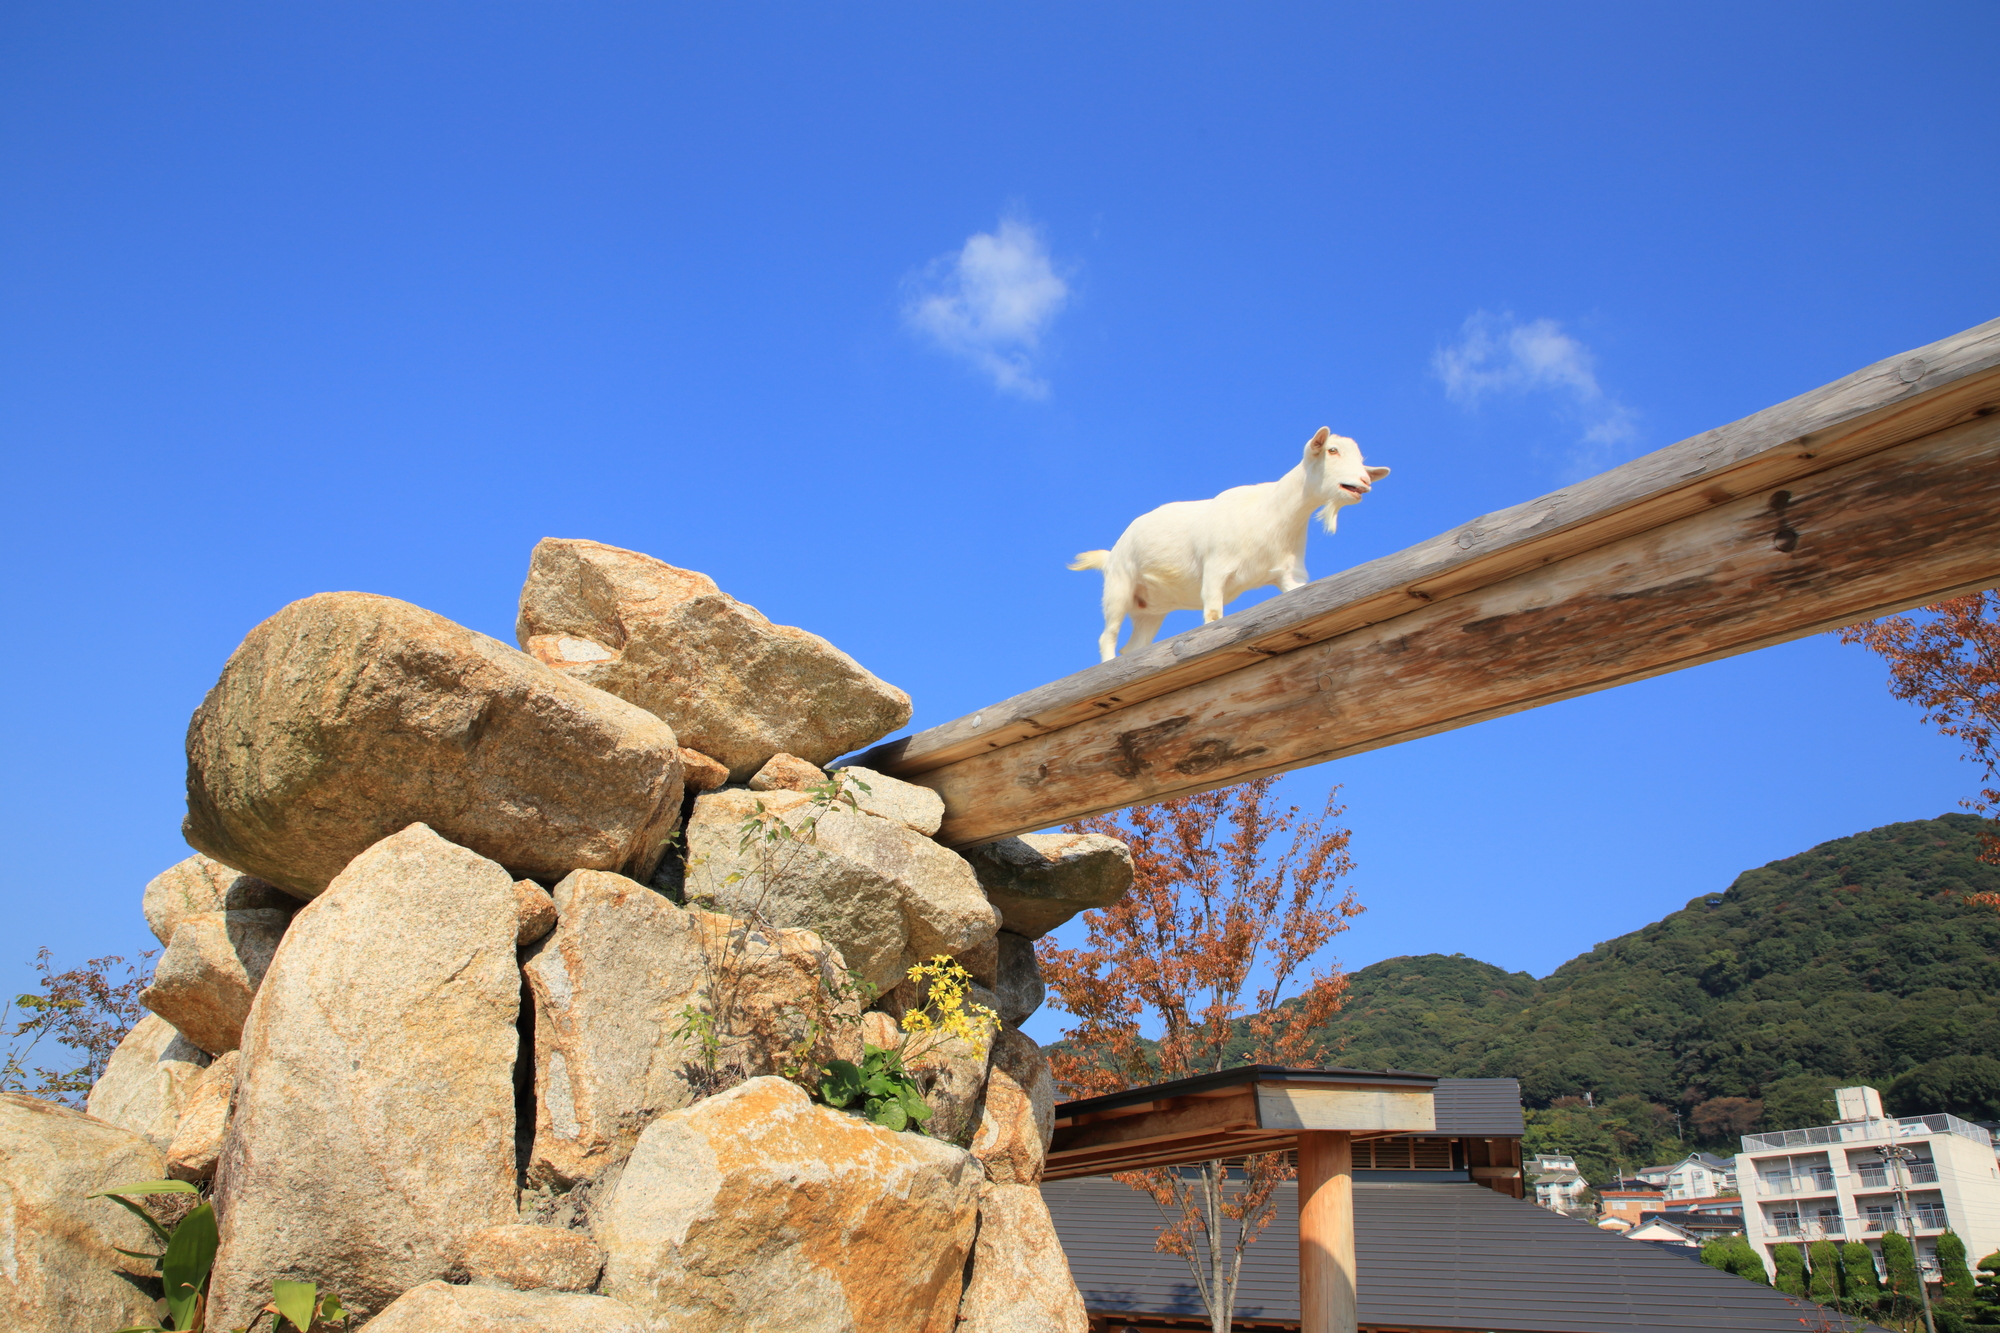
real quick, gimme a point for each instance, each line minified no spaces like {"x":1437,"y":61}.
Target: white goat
{"x":1205,"y":553}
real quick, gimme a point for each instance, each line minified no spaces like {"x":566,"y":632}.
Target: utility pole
{"x":1901,"y":1156}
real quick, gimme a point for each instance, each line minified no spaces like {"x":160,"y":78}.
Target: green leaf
{"x":841,"y":1085}
{"x":915,"y":1106}
{"x":143,"y":1216}
{"x":296,"y":1301}
{"x":330,"y":1308}
{"x":134,"y":1254}
{"x":184,"y":1267}
{"x":888,"y":1113}
{"x":149,"y":1187}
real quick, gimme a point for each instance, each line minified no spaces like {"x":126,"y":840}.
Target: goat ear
{"x":1377,"y":473}
{"x":1318,"y":442}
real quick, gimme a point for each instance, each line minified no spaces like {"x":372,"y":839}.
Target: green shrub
{"x":1986,"y":1295}
{"x":1859,"y":1284}
{"x":1824,"y":1286}
{"x":1734,"y":1254}
{"x":1790,"y":1261}
{"x":1956,"y":1285}
{"x":1899,"y":1260}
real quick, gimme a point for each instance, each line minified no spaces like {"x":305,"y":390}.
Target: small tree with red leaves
{"x":1233,"y":903}
{"x":87,"y":1010}
{"x":1949,"y":666}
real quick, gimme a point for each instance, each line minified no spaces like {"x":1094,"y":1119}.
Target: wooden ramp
{"x":1871,"y":495}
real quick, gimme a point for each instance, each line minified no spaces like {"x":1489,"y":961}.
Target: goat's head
{"x":1337,"y":474}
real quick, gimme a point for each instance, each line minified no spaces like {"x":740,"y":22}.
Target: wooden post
{"x":1326,"y":1232}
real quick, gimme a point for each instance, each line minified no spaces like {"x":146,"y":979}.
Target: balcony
{"x":1927,"y":1219}
{"x":1880,"y":1177}
{"x":1868,"y":1131}
{"x":1813,"y":1227}
{"x":1803,"y":1182}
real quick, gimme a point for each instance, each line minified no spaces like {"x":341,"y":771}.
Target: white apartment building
{"x":1699,"y":1175}
{"x":1829,"y":1183}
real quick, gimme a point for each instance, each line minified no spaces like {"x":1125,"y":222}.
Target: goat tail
{"x":1091,"y":560}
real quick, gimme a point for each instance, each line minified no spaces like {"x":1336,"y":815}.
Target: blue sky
{"x":878,"y":314}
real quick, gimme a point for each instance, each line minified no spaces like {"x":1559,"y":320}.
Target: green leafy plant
{"x":300,"y":1304}
{"x":188,"y":1257}
{"x":879,"y":1088}
{"x":188,"y":1253}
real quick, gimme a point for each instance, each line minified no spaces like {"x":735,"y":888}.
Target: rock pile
{"x":501,"y":986}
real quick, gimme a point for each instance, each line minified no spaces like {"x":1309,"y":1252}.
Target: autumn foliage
{"x":1949,"y":665}
{"x":1232,"y":906}
{"x":86,"y":1011}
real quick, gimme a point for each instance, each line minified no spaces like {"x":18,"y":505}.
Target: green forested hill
{"x":1853,"y":962}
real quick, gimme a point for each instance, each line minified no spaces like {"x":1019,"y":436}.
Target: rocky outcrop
{"x":535,"y":913}
{"x":625,"y":991}
{"x":374,"y":1119}
{"x":208,"y":976}
{"x":757,"y":1210}
{"x":200,"y":884}
{"x":786,"y":772}
{"x":198,"y":1138}
{"x":700,"y":773}
{"x":731,"y":684}
{"x":916,"y":808}
{"x":1040,"y":880}
{"x":147,"y":1081}
{"x":346,"y":717}
{"x":1021,"y":1281}
{"x":439,"y":1307}
{"x":60,"y":1270}
{"x":885,"y":895}
{"x":436,"y":941}
{"x":531,"y":1258}
{"x":1017,"y":978}
{"x":1018,"y":1118}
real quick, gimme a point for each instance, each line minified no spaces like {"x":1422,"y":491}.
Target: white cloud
{"x":991,"y":302}
{"x":1499,"y":354}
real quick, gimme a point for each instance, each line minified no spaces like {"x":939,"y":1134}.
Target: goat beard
{"x":1329,"y":515}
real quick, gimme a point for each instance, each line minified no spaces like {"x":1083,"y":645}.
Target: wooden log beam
{"x":1178,"y":1119}
{"x":1871,"y":495}
{"x":1327,"y":1275}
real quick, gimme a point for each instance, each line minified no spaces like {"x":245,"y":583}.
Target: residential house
{"x":1622,"y":1201}
{"x":1830,"y":1182}
{"x":1557,"y":1184}
{"x":1698,"y":1175}
{"x":1697,"y":1219}
{"x":1662,"y":1232}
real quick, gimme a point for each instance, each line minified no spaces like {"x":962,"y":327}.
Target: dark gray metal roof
{"x":1479,"y":1107}
{"x":1433,"y":1256}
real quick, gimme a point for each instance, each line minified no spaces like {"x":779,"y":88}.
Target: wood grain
{"x":1889,"y":529}
{"x":1328,"y":1280}
{"x":1902,"y":398}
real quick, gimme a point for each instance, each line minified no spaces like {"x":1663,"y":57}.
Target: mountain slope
{"x":1854,"y":961}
